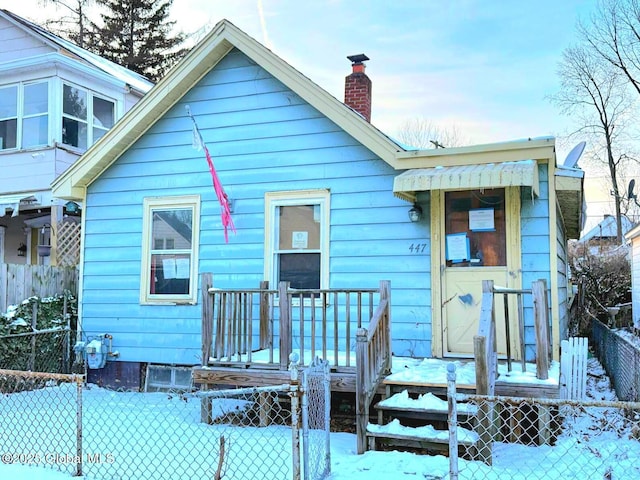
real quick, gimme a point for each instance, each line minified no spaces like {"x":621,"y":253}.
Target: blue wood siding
{"x":563,"y":280}
{"x":262,"y":137}
{"x":536,"y":264}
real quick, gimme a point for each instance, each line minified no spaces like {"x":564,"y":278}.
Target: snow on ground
{"x":584,"y":450}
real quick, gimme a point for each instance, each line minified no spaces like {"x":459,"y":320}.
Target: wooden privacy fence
{"x":18,"y":282}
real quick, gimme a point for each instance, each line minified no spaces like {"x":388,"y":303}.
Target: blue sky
{"x":484,"y":66}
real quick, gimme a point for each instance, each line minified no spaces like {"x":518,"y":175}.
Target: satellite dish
{"x":630,"y":194}
{"x":574,"y":155}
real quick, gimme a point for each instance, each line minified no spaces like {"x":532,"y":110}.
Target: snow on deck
{"x":434,"y":371}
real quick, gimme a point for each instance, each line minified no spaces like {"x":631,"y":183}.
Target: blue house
{"x":319,"y":198}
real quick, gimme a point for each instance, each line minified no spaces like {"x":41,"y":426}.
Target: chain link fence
{"x":53,"y":420}
{"x":620,"y":358}
{"x":526,"y":438}
{"x":41,"y":351}
{"x":40,"y":420}
{"x":316,"y":405}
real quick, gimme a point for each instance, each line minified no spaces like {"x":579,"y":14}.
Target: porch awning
{"x":12,"y":202}
{"x":523,"y":173}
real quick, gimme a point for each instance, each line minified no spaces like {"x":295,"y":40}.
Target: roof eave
{"x":539,"y":149}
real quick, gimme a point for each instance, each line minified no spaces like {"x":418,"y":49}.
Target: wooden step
{"x":426,"y":405}
{"x":422,"y":437}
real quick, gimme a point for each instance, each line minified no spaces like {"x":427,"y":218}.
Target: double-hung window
{"x":24,"y":115}
{"x":297,"y":238}
{"x":85,"y":117}
{"x":170,"y":249}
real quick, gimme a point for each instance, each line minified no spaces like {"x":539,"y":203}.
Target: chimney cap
{"x":358,"y":59}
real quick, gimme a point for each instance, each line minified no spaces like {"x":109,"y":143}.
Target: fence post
{"x":34,"y":327}
{"x":66,"y":347}
{"x":285,"y":324}
{"x":304,"y":403}
{"x":327,"y":416}
{"x":79,"y":382}
{"x":295,"y":416}
{"x":207,"y":339}
{"x":453,"y":421}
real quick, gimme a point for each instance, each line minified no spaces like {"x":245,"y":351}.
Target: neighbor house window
{"x":297,"y":243}
{"x":170,"y":247}
{"x":85,"y":117}
{"x":24,"y":115}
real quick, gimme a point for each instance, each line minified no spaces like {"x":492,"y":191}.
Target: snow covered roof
{"x":135,"y":80}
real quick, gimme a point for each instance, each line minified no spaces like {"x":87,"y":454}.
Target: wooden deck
{"x":249,"y":335}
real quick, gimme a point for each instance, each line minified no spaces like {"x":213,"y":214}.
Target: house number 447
{"x":417,"y":247}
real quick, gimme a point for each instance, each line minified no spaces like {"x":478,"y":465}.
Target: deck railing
{"x":373,"y":357}
{"x":485,"y":343}
{"x":263,"y":326}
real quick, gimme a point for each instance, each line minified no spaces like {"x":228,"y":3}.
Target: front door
{"x":475,"y":246}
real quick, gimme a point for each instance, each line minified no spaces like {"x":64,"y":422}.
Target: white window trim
{"x":89,"y":121}
{"x":296,"y":197}
{"x":20,"y":115}
{"x":154,"y":203}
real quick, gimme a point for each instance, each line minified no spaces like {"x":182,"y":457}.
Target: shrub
{"x":46,"y":352}
{"x":603,"y":276}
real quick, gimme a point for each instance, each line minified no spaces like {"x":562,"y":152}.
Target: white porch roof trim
{"x":12,"y":202}
{"x":522,"y":173}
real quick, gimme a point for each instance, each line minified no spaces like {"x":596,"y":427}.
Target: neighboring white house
{"x":56,"y":100}
{"x":633,"y":236}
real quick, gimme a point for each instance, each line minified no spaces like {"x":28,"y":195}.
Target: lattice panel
{"x":68,"y":250}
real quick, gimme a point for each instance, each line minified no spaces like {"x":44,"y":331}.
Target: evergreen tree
{"x":137,"y":35}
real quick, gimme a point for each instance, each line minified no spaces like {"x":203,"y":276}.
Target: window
{"x":170,"y":246}
{"x":85,"y":117}
{"x":24,"y":115}
{"x":8,"y":117}
{"x":35,"y":120}
{"x":478,"y":218}
{"x":297,"y":243}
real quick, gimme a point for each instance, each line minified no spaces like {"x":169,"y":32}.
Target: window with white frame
{"x":24,"y":115}
{"x":85,"y":116}
{"x":297,"y":238}
{"x":170,"y":249}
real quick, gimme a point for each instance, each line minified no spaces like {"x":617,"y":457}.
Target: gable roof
{"x":131,"y":78}
{"x":187,"y":73}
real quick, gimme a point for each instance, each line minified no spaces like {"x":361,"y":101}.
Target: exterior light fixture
{"x":22,"y":250}
{"x":415,"y":214}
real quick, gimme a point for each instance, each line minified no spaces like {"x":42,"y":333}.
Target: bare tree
{"x":74,"y":23}
{"x":613,"y":32}
{"x":597,"y":95}
{"x":422,"y":133}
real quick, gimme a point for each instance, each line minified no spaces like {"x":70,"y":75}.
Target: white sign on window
{"x":457,"y":247}
{"x":299,"y":239}
{"x":182,"y":268}
{"x":481,"y":219}
{"x":169,"y":268}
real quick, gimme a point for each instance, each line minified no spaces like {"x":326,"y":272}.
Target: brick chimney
{"x":357,"y":87}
